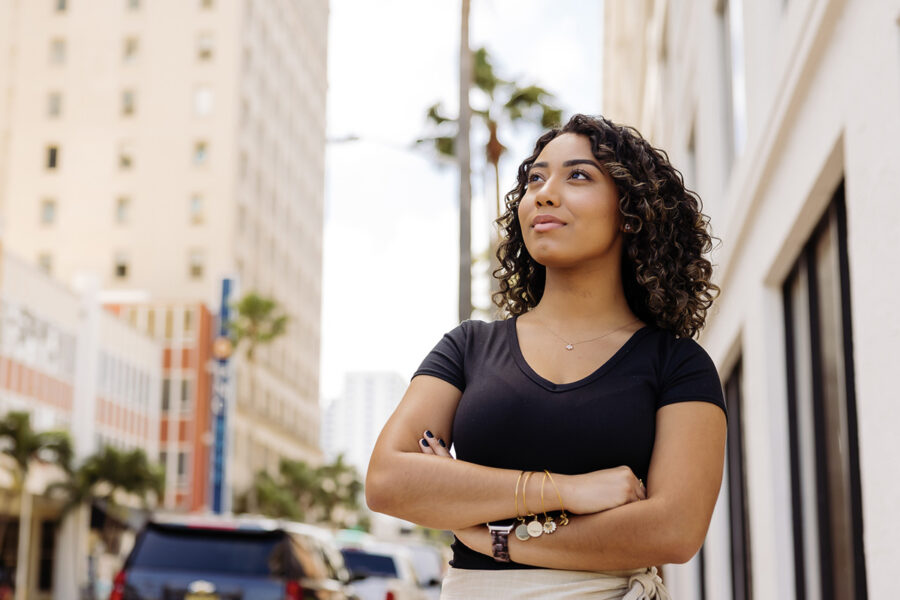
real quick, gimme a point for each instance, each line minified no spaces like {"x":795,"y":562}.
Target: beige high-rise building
{"x":164,"y":145}
{"x":784,"y":116}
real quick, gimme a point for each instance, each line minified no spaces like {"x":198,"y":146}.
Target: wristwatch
{"x":500,"y":531}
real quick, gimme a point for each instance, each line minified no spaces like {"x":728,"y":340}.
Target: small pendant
{"x":522,"y":532}
{"x":570,"y":347}
{"x":535,"y":529}
{"x":549,"y":525}
{"x":563,"y":520}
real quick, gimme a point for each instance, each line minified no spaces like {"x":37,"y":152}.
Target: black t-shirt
{"x":512,"y":418}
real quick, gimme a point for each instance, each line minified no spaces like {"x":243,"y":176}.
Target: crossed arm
{"x":616,"y":528}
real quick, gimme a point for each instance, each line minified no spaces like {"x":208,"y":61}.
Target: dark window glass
{"x":827,"y":513}
{"x":737,"y":488}
{"x":52,"y":157}
{"x":203,"y":550}
{"x":166,"y":384}
{"x":371,"y":565}
{"x":45,"y":566}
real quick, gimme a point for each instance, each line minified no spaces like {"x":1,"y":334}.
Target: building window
{"x":207,"y":4}
{"x":200,"y":153}
{"x":186,"y":397}
{"x":737,"y":488}
{"x":204,"y":47}
{"x":46,"y":553}
{"x":130,"y":50}
{"x":57,"y":51}
{"x":123,"y":210}
{"x":731,"y":25}
{"x":48,"y":211}
{"x":151,"y":322}
{"x":60,"y":5}
{"x":45,"y":263}
{"x":169,"y":323}
{"x":827,"y":507}
{"x":52,"y":157}
{"x":182,"y":467}
{"x":195,"y":209}
{"x":127,"y":103}
{"x":126,"y":156}
{"x":188,"y":321}
{"x":133,"y":4}
{"x":166,"y":399}
{"x":120,"y":265}
{"x":195,"y":264}
{"x":203,"y":101}
{"x":54,"y":104}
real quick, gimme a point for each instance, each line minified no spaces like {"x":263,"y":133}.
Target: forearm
{"x":631,"y":536}
{"x":447,"y":494}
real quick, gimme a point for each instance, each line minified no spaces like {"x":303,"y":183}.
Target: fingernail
{"x":429,"y":434}
{"x":423,"y":442}
{"x":441,"y":442}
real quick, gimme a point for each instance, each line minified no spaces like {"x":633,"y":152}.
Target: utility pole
{"x":463,"y":158}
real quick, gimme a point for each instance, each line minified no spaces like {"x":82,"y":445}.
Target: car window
{"x":238,"y":552}
{"x":371,"y":565}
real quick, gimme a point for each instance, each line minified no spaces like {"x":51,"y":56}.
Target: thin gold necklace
{"x":571,"y":345}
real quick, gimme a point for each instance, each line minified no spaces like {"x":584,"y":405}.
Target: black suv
{"x":232,"y":559}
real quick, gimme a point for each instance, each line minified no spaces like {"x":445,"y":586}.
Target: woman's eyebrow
{"x":582,"y":161}
{"x":570,"y":163}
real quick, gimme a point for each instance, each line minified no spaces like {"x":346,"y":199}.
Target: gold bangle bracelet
{"x":563,"y":518}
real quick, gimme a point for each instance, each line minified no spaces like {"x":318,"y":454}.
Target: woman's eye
{"x":532,"y":177}
{"x":579,"y":174}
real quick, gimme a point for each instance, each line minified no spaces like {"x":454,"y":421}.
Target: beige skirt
{"x":528,"y":584}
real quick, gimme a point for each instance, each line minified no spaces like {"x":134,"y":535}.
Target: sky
{"x":391,"y":209}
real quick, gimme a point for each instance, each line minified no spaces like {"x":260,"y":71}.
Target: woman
{"x":592,"y":387}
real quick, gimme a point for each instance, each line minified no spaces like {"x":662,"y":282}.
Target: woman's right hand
{"x":600,"y":490}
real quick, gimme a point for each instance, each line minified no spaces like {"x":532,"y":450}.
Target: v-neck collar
{"x":512,"y":336}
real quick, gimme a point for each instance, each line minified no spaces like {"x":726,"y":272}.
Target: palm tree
{"x":101,"y":475}
{"x":326,"y":493}
{"x":259,"y":321}
{"x":24,"y":446}
{"x":507,"y":104}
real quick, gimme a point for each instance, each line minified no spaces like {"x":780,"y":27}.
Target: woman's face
{"x":570,"y":211}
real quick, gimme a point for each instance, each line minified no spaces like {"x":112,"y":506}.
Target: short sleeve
{"x":447,"y":360}
{"x":690,"y":375}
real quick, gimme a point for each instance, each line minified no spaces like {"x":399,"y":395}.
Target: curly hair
{"x":665,"y":276}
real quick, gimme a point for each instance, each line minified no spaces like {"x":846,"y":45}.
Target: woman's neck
{"x":584,"y":297}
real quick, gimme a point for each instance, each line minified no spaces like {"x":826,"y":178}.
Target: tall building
{"x":353,"y":420}
{"x":784,"y":117}
{"x":165,"y":145}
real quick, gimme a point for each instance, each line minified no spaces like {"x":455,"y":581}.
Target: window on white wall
{"x":130,"y":50}
{"x":829,"y":561}
{"x":57,"y":51}
{"x":203,"y":100}
{"x":737,"y":488}
{"x":731,"y":23}
{"x":54,"y":104}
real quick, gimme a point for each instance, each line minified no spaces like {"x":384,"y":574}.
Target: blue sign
{"x":219,"y":407}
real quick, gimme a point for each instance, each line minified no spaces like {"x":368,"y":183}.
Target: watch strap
{"x":500,"y":541}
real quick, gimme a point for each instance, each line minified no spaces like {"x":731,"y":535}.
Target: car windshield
{"x":195,"y":549}
{"x":370,"y":565}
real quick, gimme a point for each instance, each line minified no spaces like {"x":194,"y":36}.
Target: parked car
{"x":382,"y":572}
{"x":429,"y":565}
{"x":232,"y":559}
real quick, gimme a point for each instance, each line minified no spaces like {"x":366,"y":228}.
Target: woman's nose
{"x":546,"y":196}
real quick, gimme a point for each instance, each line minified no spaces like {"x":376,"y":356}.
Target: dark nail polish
{"x":423,"y":442}
{"x":429,"y":434}
{"x":441,"y":442}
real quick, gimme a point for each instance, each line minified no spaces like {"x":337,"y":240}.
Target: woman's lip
{"x":547,"y":226}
